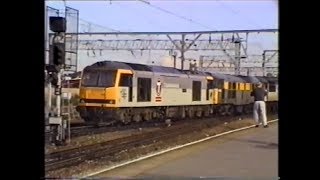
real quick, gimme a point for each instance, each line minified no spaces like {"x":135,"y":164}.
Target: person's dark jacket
{"x":259,"y":94}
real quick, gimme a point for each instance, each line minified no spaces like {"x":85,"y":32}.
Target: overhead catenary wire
{"x":62,"y":12}
{"x":222,"y":4}
{"x":179,"y":16}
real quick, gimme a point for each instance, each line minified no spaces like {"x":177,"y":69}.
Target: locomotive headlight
{"x":111,"y":101}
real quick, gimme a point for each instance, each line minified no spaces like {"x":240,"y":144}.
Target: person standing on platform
{"x":259,"y":106}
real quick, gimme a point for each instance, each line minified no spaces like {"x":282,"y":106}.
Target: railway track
{"x":83,"y":130}
{"x":102,"y":128}
{"x":71,"y":157}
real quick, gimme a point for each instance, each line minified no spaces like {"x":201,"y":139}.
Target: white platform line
{"x":170,"y":149}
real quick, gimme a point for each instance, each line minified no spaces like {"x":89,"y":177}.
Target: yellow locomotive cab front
{"x":98,"y":88}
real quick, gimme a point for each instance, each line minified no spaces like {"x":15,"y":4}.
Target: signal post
{"x":58,"y":125}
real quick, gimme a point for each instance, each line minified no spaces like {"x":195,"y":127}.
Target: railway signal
{"x":55,"y":71}
{"x":58,"y":54}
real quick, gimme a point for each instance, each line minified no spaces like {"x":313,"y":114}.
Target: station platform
{"x":252,"y":153}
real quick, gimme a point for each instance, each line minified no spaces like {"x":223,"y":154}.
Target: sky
{"x":189,"y":15}
{"x":172,"y":16}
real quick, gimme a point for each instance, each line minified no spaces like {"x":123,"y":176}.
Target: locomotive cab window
{"x":196,"y":91}
{"x":209,"y":86}
{"x":89,"y":78}
{"x":98,"y":79}
{"x":126,"y":81}
{"x":144,"y":89}
{"x":107,"y":79}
